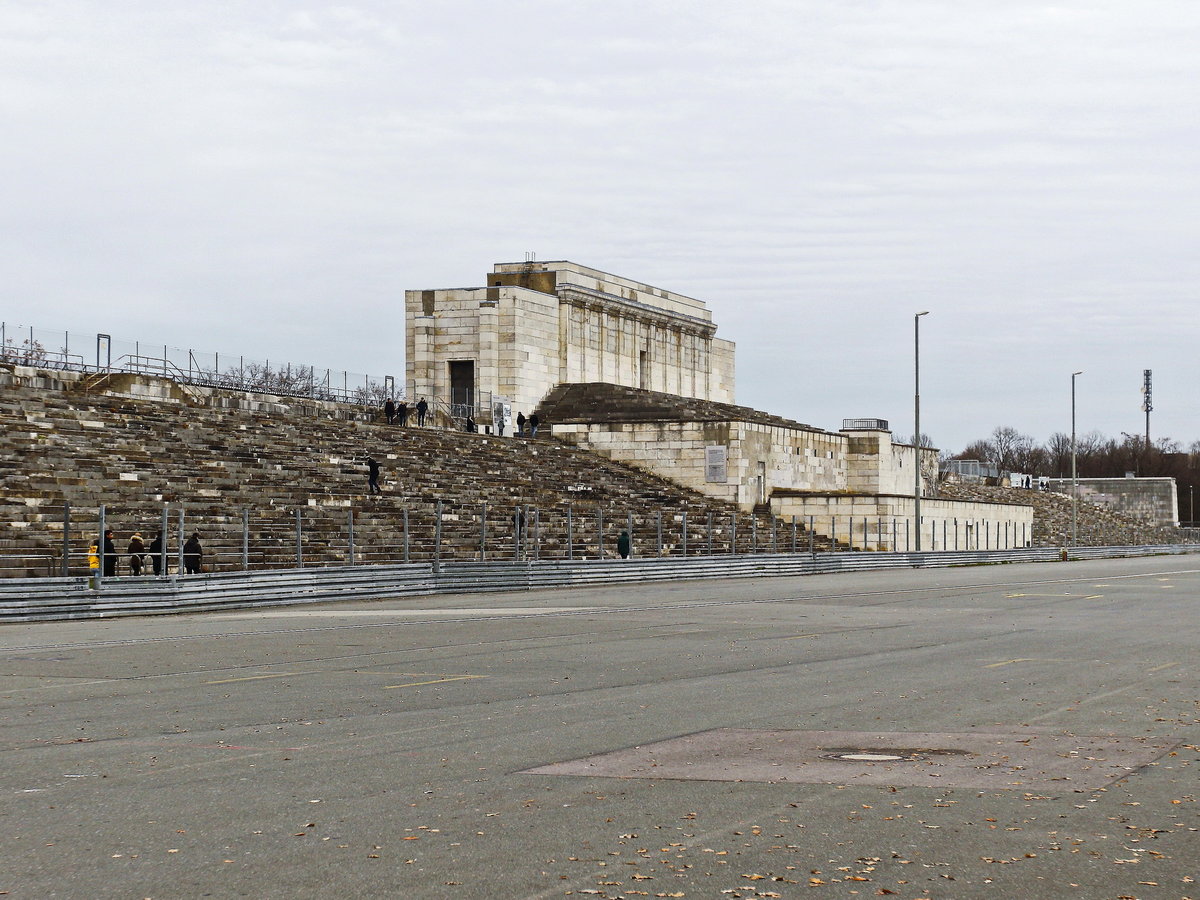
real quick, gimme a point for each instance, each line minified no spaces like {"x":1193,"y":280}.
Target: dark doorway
{"x":462,"y":383}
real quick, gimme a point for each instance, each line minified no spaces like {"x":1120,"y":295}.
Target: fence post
{"x":164,"y":538}
{"x":708,"y":530}
{"x":754,"y":533}
{"x":437,"y":539}
{"x":629,"y":531}
{"x":516,"y":520}
{"x":793,"y":533}
{"x":774,"y":534}
{"x":733,"y":532}
{"x":299,"y":542}
{"x":685,"y":534}
{"x":350,"y":537}
{"x":245,"y":540}
{"x":599,"y":533}
{"x":570,"y":534}
{"x":812,"y":539}
{"x":482,"y":532}
{"x":100,"y":549}
{"x":66,"y":560}
{"x":659,"y":531}
{"x":537,"y":533}
{"x":406,"y":558}
{"x":179,"y":537}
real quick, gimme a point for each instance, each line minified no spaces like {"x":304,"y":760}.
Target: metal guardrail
{"x":52,"y":599}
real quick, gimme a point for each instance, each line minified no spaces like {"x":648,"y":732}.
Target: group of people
{"x":193,"y":555}
{"x":399,"y":412}
{"x":392,"y":411}
{"x":533,"y":421}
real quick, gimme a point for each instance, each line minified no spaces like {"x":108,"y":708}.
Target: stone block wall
{"x":1153,"y":500}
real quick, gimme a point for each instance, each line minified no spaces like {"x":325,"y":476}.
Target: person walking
{"x":373,"y":476}
{"x":137,"y":555}
{"x":193,"y":555}
{"x":520,"y":424}
{"x":422,"y":409}
{"x":389,"y":410}
{"x":156,"y":554}
{"x":110,"y":554}
{"x":534,"y":422}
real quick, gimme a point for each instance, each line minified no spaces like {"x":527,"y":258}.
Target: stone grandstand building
{"x":536,"y":325}
{"x":637,"y":374}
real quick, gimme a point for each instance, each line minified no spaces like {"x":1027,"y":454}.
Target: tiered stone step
{"x":134,"y":456}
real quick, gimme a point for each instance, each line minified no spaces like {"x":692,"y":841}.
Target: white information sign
{"x":715,"y":459}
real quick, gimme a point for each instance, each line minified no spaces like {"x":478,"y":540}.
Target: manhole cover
{"x":1000,"y":761}
{"x":889,"y":754}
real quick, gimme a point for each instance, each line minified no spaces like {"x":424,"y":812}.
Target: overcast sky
{"x":268,"y":178}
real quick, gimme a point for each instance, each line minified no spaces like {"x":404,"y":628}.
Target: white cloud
{"x":268,"y":179}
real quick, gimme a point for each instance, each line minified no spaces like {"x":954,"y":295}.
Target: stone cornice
{"x":600,"y":301}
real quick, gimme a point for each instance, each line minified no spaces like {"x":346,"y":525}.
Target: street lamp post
{"x":917,"y":424}
{"x":1074,"y":473}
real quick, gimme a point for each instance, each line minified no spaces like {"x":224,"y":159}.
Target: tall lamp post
{"x":1074,"y":473}
{"x":917,"y":423}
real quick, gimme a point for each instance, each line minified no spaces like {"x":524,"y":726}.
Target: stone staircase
{"x":137,"y":455}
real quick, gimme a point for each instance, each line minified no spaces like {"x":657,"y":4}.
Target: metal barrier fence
{"x":339,"y":535}
{"x":101,"y":353}
{"x":49,"y":599}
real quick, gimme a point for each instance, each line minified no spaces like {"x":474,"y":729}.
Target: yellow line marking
{"x":795,"y":636}
{"x":1014,"y":596}
{"x":388,"y":687}
{"x":254,"y":678}
{"x":1007,"y":662}
{"x":1094,"y":597}
{"x":1169,"y":665}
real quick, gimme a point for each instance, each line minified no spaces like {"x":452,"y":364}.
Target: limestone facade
{"x":886,"y":521}
{"x":761,"y":458}
{"x":538,"y":324}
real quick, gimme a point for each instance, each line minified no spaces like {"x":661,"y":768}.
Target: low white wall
{"x":885,"y":521}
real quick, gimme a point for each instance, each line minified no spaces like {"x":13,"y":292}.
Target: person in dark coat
{"x":389,"y":410}
{"x":402,"y":412}
{"x":422,"y":409}
{"x":520,"y":424}
{"x":624,"y":545}
{"x":137,"y":555}
{"x":156,"y":554}
{"x":110,"y":554}
{"x":534,"y":422}
{"x":193,"y":555}
{"x":373,"y":476}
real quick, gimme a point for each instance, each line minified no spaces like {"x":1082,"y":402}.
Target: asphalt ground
{"x":680,"y":734}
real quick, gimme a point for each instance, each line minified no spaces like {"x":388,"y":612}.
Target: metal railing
{"x":55,"y":539}
{"x":29,"y":346}
{"x":29,"y":600}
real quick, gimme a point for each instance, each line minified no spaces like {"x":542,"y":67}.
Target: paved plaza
{"x":1013,"y":731}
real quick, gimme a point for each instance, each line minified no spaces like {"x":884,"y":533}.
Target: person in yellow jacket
{"x":94,"y":557}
